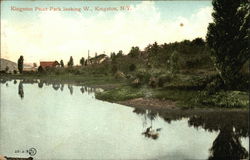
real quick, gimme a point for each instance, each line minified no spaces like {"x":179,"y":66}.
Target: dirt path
{"x":149,"y":103}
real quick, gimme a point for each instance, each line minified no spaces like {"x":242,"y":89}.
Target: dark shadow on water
{"x":20,"y":90}
{"x":150,"y":130}
{"x":230,"y":125}
{"x":56,"y":86}
{"x":70,"y":87}
{"x":227,"y":146}
{"x":40,"y":84}
{"x":62,"y":86}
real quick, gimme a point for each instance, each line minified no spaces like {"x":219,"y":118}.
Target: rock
{"x":120,"y":75}
{"x":136,"y":82}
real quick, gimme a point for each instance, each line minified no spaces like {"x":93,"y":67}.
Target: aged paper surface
{"x":115,"y":80}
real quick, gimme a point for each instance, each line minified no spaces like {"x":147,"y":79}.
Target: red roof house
{"x":46,"y":64}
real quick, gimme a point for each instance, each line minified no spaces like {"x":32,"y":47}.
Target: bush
{"x":114,"y":69}
{"x":228,"y":99}
{"x":40,"y":69}
{"x":132,"y":67}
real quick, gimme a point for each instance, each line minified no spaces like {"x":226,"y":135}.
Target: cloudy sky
{"x":55,"y":35}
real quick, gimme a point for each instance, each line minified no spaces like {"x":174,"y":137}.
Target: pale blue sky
{"x":168,"y":9}
{"x":51,"y":35}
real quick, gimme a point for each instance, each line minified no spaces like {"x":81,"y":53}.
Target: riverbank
{"x":176,"y":95}
{"x":174,"y":98}
{"x":97,"y":81}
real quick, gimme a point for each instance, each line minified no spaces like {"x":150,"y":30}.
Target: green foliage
{"x":61,"y":63}
{"x":119,"y":54}
{"x":71,"y":62}
{"x":143,"y":76}
{"x":174,"y":62}
{"x":82,"y":61}
{"x":228,"y":99}
{"x":40,"y":69}
{"x":134,"y":52}
{"x":114,"y":69}
{"x":198,"y":42}
{"x":119,"y":94}
{"x":132,"y":67}
{"x":20,"y":64}
{"x":228,"y":37}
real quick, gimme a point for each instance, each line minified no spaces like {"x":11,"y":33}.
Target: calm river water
{"x":55,"y":121}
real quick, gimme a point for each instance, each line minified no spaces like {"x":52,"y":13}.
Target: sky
{"x":48,"y":34}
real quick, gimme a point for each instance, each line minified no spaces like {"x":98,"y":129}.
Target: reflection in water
{"x":150,"y":132}
{"x":70,"y":87}
{"x":230,"y":125}
{"x":227,"y":146}
{"x":62,"y":86}
{"x":20,"y":89}
{"x":3,"y":81}
{"x":82,"y":90}
{"x":56,"y":86}
{"x":224,"y":143}
{"x":40,"y":84}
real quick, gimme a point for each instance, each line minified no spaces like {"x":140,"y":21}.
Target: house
{"x":47,"y":64}
{"x":98,"y":59}
{"x":27,"y":67}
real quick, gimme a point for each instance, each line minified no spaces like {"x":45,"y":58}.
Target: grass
{"x":225,"y":99}
{"x":91,"y":80}
{"x":183,"y":98}
{"x":120,"y":94}
{"x":187,"y":90}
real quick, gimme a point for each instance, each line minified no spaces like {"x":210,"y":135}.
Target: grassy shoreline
{"x":119,"y":91}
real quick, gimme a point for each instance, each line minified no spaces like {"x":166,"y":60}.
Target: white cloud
{"x":54,"y":36}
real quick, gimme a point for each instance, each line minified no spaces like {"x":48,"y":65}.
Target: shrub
{"x":40,"y":69}
{"x":132,"y":67}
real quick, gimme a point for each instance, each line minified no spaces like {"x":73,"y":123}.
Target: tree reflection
{"x":227,"y":146}
{"x":70,"y":87}
{"x":20,"y":89}
{"x":150,"y":131}
{"x":56,"y":86}
{"x":62,"y":86}
{"x":82,"y":89}
{"x":231,"y":125}
{"x":40,"y":84}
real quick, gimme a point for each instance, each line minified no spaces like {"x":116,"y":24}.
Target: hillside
{"x":4,"y":63}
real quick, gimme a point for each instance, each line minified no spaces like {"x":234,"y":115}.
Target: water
{"x":67,"y":122}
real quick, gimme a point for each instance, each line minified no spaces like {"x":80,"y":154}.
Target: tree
{"x":228,"y":38}
{"x":86,"y":62}
{"x":198,"y":42}
{"x":7,"y":69}
{"x":61,"y":63}
{"x":40,"y":69}
{"x":134,"y":52}
{"x":82,"y":61}
{"x":227,"y":146}
{"x":71,"y":62}
{"x":119,"y":54}
{"x":20,"y":64}
{"x":174,"y":62}
{"x":132,"y":67}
